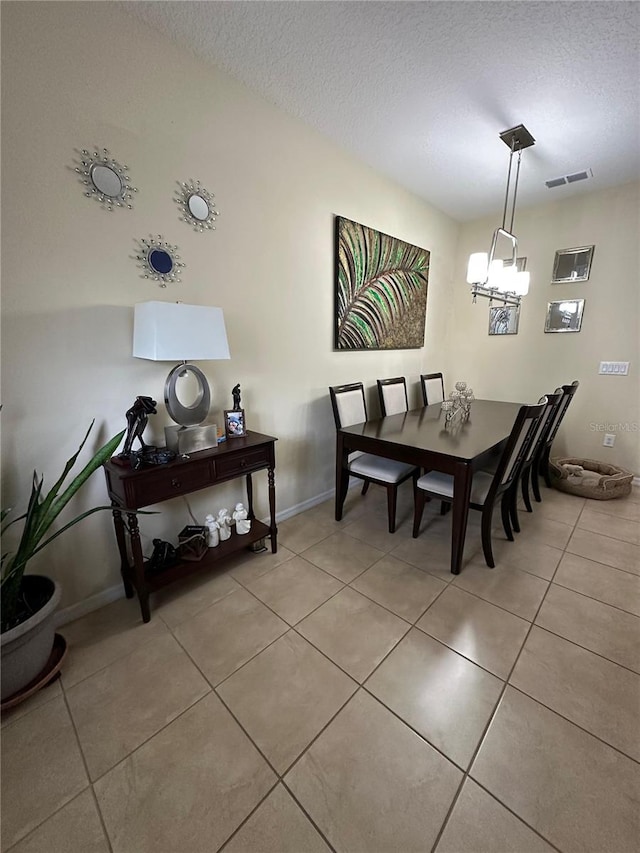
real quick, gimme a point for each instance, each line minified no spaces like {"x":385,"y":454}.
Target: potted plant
{"x":29,"y":601}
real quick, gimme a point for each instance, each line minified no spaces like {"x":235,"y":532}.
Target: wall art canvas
{"x":380,"y":290}
{"x":504,"y":319}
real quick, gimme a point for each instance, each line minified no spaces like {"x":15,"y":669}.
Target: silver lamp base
{"x":190,"y":439}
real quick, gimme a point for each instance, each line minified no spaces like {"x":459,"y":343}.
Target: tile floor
{"x":350,"y":694}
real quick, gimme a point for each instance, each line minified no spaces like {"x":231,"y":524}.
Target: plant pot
{"x":27,"y":647}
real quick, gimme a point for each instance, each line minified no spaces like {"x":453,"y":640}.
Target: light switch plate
{"x":614,"y":368}
{"x":608,"y":440}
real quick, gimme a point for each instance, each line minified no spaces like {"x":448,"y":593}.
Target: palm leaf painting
{"x":381,"y":290}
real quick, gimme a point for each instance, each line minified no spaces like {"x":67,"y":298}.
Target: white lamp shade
{"x":173,"y":331}
{"x":496,"y":275}
{"x":522,"y":283}
{"x":477,"y":268}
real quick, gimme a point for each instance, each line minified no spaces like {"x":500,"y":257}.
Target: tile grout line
{"x":573,"y":723}
{"x":599,"y":600}
{"x":483,"y":736}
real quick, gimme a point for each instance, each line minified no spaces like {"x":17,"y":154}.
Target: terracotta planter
{"x":26,"y":648}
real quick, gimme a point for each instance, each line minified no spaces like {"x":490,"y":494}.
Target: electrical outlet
{"x":609,"y":440}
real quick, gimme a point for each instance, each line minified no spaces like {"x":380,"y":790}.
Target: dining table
{"x":421,"y":437}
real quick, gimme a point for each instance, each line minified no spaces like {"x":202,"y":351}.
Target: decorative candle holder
{"x":458,"y":403}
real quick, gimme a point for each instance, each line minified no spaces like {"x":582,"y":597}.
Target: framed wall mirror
{"x":564,"y":316}
{"x":572,"y":265}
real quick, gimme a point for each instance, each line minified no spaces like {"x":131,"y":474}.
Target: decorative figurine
{"x":213,"y":531}
{"x":224,"y":523}
{"x":240,"y":516}
{"x":235,"y":391}
{"x":137,"y":417}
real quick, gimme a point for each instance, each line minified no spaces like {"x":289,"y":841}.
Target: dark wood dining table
{"x":419,"y":437}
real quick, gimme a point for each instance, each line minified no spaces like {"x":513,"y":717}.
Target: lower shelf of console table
{"x":213,"y":556}
{"x":132,"y":490}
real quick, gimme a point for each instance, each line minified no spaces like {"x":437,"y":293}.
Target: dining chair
{"x":393,"y":396}
{"x":544,"y":425}
{"x":349,"y":407}
{"x":486,"y":488}
{"x":432,"y":385}
{"x":542,"y":428}
{"x":541,"y":463}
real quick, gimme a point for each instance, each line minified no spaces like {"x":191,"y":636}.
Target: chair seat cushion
{"x":379,"y":468}
{"x":441,"y":486}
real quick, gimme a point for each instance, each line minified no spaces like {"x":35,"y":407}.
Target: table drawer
{"x":161,"y":485}
{"x":242,"y":463}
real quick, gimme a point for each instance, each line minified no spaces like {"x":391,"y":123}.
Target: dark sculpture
{"x":137,"y":418}
{"x":236,"y":398}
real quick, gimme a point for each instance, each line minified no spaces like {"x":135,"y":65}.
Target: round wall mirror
{"x":198,"y":207}
{"x":106,"y":180}
{"x":191,"y":382}
{"x":159,"y":260}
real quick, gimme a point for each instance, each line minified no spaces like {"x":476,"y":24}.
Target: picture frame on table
{"x":234,"y":423}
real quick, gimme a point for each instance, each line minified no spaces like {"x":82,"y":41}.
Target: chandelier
{"x":495,"y":277}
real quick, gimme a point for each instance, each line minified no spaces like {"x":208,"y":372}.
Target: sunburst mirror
{"x":159,"y":261}
{"x":196,"y":205}
{"x":105,"y":179}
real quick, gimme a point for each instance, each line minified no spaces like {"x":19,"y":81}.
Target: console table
{"x":131,"y":490}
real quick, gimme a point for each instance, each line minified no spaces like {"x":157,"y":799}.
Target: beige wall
{"x":69,"y":281}
{"x":526,"y":365}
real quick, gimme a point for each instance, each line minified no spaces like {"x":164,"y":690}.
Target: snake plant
{"x":40,"y":515}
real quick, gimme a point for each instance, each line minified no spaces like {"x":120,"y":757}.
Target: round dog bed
{"x":589,"y":478}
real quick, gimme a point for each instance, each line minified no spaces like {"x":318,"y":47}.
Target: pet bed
{"x":589,"y":478}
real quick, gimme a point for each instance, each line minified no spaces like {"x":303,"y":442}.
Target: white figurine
{"x":243,"y":524}
{"x":213,"y":536}
{"x":224,"y":524}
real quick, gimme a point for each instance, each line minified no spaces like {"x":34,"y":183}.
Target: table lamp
{"x":173,"y":331}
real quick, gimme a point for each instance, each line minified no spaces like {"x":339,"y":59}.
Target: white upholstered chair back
{"x":432,"y":388}
{"x":350,"y":406}
{"x":393,"y":396}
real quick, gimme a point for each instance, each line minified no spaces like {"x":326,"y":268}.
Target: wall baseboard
{"x":88,"y":605}
{"x":113,"y":593}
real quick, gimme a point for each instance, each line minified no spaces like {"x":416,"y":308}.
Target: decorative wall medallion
{"x":197,"y":205}
{"x":160,"y":261}
{"x":105,"y":179}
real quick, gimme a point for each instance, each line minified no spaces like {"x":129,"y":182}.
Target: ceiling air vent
{"x":578,"y":176}
{"x":569,"y":179}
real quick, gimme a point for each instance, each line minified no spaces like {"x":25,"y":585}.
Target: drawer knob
{"x":243,"y":463}
{"x":175,"y":483}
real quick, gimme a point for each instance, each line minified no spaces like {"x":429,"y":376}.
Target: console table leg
{"x":250,"y":496}
{"x":138,"y":566}
{"x":272,"y":509}
{"x":118,"y":524}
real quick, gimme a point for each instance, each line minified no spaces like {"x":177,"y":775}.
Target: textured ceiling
{"x":421,"y":90}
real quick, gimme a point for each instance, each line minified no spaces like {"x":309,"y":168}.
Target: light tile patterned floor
{"x":350,"y":694}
